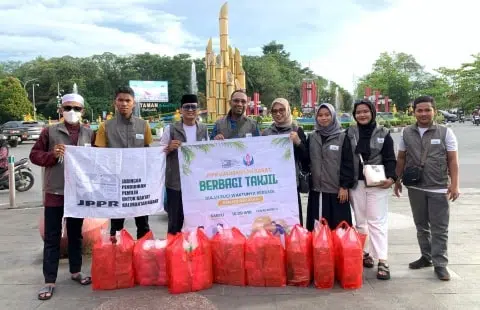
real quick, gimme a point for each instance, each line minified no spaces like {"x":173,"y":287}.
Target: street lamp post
{"x":33,"y":101}
{"x":28,"y":81}
{"x":33,"y":94}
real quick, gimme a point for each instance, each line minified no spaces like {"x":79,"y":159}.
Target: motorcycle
{"x":24,"y":178}
{"x":461,"y":118}
{"x":476,"y":120}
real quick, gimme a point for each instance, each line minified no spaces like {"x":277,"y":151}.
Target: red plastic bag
{"x":349,"y":257}
{"x":149,"y":261}
{"x":299,"y":256}
{"x":228,"y":256}
{"x":265,"y":260}
{"x":112,"y":264}
{"x":363,"y":239}
{"x":189,"y":262}
{"x":323,"y":256}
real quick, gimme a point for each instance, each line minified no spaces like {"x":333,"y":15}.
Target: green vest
{"x":172,"y":174}
{"x":125,"y":133}
{"x":244,"y":126}
{"x":435,"y":170}
{"x":376,"y":146}
{"x":54,"y":179}
{"x":325,"y":160}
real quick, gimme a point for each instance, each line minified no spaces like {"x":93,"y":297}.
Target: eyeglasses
{"x":70,"y":108}
{"x":281,"y":111}
{"x":188,"y":107}
{"x":242,"y":101}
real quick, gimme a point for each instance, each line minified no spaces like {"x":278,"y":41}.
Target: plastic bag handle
{"x":343,"y":224}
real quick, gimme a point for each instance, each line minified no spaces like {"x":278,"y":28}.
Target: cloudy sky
{"x":338,"y":39}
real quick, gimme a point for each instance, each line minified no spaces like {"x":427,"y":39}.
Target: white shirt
{"x":190,"y":131}
{"x":451,"y":144}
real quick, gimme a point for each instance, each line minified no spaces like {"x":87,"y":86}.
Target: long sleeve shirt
{"x":41,"y":155}
{"x":3,"y":157}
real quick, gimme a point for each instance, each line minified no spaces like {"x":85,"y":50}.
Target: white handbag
{"x":374,"y":174}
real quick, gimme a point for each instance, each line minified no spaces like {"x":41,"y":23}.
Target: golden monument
{"x":177,"y":116}
{"x":224,"y":72}
{"x":27,"y":118}
{"x":295,"y":112}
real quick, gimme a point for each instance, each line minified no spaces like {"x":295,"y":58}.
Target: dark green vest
{"x":125,"y":133}
{"x":54,"y":179}
{"x":172,"y":175}
{"x":435,"y":171}
{"x":325,"y":159}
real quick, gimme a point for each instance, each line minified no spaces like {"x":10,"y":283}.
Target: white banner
{"x":113,"y":183}
{"x":247,"y":183}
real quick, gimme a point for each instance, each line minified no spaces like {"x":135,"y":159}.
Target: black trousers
{"x":175,"y":211}
{"x":51,"y":245}
{"x":332,"y":210}
{"x":140,"y":221}
{"x":300,"y":212}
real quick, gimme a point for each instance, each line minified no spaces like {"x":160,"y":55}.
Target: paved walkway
{"x":21,"y":273}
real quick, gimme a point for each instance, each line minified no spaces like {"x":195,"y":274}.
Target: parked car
{"x":24,"y":130}
{"x":449,"y":117}
{"x":34,"y":129}
{"x":345,"y":118}
{"x":14,"y":132}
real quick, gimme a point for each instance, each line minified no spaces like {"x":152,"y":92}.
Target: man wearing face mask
{"x":188,"y":129}
{"x":235,"y":124}
{"x":125,"y":131}
{"x":48,"y":152}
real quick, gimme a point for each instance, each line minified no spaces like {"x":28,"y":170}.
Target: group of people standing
{"x":122,"y":131}
{"x":333,"y":158}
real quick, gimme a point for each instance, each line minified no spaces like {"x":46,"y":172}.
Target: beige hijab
{"x":284,"y":103}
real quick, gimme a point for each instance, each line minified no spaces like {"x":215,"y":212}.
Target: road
{"x":469,"y":150}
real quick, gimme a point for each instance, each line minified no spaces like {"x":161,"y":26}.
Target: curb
{"x":22,"y":206}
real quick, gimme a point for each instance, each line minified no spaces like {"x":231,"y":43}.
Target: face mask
{"x":72,"y":117}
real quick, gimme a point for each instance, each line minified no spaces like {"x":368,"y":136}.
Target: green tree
{"x":14,"y":104}
{"x":465,"y":84}
{"x":392,"y":75}
{"x":273,"y":75}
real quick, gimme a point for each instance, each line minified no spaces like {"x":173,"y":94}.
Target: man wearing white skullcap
{"x":48,"y":152}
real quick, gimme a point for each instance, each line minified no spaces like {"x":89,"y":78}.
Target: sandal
{"x":383,"y":272}
{"x":82,"y":279}
{"x":368,"y":261}
{"x":46,"y":292}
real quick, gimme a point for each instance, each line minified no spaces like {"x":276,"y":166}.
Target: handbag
{"x":374,"y":174}
{"x":304,"y":176}
{"x":413,"y":175}
{"x":304,"y":181}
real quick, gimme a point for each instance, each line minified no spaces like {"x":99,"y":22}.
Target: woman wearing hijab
{"x":331,"y":165}
{"x":3,"y":155}
{"x":370,"y":204}
{"x":283,"y":124}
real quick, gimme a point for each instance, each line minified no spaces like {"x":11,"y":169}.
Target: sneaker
{"x":422,"y":262}
{"x":442,"y":273}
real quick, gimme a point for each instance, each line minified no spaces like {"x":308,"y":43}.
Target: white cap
{"x":73,"y":98}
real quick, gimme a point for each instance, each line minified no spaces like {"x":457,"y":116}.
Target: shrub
{"x":439,"y":118}
{"x":388,"y":124}
{"x":154,"y":131}
{"x":308,"y":127}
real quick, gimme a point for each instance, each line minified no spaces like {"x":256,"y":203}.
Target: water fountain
{"x":193,"y":80}
{"x":75,"y":88}
{"x":337,"y":99}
